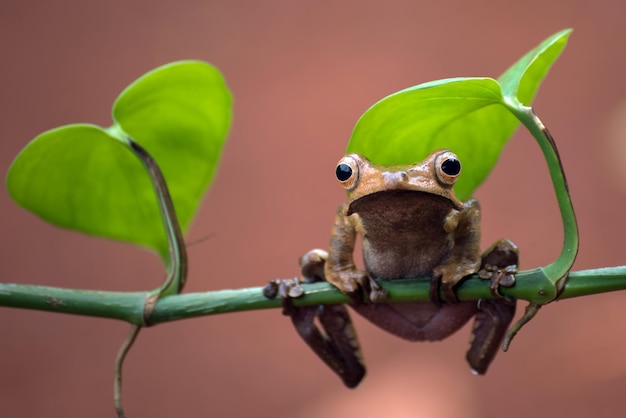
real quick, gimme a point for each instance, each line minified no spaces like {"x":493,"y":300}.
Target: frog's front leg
{"x":337,"y":345}
{"x":340,"y":269}
{"x":494,"y":316}
{"x":465,"y":257}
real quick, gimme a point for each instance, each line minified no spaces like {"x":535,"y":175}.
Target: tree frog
{"x":411,"y":225}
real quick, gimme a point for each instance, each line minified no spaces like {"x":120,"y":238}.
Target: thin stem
{"x":119,"y":362}
{"x":558,"y":270}
{"x":128,"y":306}
{"x":177,"y":260}
{"x":176,"y":263}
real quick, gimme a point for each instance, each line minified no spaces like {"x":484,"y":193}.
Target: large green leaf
{"x":465,"y":115}
{"x":84,"y":177}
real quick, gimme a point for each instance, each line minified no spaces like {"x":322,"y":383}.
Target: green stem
{"x":557,"y":271}
{"x":176,"y":262}
{"x":128,"y":306}
{"x":119,"y":362}
{"x":177,"y":254}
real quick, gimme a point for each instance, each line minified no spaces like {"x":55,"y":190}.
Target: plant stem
{"x":128,"y":306}
{"x":557,"y":271}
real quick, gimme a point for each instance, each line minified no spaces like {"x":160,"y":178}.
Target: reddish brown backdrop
{"x":301,"y":74}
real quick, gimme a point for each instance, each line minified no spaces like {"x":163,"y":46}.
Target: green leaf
{"x":465,"y":115}
{"x":457,"y":114}
{"x":84,"y":177}
{"x":522,"y":79}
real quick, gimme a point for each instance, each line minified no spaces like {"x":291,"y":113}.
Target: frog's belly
{"x":407,"y":257}
{"x":419,"y":321}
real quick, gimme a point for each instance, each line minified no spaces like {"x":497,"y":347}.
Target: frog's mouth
{"x":402,"y":201}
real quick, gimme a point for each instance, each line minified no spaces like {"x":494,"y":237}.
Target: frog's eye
{"x":347,"y":172}
{"x":448,"y":168}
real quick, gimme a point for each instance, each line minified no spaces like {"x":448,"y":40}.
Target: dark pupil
{"x":343,"y":172}
{"x":451,"y":166}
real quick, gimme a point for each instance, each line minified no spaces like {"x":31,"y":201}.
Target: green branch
{"x":128,"y":306}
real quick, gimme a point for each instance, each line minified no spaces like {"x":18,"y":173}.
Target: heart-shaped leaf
{"x":466,"y":115}
{"x":84,"y":177}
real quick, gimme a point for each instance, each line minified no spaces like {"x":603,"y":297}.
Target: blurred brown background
{"x":302,"y":72}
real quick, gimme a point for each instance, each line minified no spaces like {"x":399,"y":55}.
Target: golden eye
{"x":447,"y":167}
{"x":347,"y":172}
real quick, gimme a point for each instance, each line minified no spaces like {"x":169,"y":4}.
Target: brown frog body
{"x":411,"y":225}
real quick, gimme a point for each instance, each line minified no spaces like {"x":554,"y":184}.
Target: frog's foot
{"x":354,"y":283}
{"x":372,"y":291}
{"x":497,"y":276}
{"x":286,"y":289}
{"x":357,"y":285}
{"x":312,"y":269}
{"x":499,"y":266}
{"x":446,"y":277}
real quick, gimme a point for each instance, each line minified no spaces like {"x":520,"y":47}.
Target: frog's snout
{"x":394,"y":177}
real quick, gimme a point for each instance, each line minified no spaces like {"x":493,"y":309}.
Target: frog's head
{"x":435,"y":175}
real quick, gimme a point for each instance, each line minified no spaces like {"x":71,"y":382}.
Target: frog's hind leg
{"x":327,"y":329}
{"x":499,"y":264}
{"x":492,"y":320}
{"x":336,"y":344}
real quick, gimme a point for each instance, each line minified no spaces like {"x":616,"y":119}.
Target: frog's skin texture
{"x":411,"y":225}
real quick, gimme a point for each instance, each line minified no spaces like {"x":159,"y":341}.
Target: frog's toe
{"x":446,"y":286}
{"x":368,"y":290}
{"x":287,"y":289}
{"x":271,"y":289}
{"x":498,"y":278}
{"x":374,"y":291}
{"x":508,"y":277}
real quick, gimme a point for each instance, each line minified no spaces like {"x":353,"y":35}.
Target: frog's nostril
{"x":395,"y":177}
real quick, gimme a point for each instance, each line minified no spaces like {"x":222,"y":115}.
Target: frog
{"x":411,"y":224}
